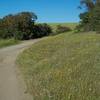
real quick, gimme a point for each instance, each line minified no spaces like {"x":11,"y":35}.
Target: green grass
{"x":7,"y":42}
{"x":63,"y":67}
{"x":71,"y":25}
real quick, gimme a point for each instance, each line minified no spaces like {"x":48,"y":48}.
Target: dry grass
{"x":63,"y":67}
{"x":71,"y":25}
{"x":8,"y":42}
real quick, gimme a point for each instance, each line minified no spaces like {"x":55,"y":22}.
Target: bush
{"x":61,"y":29}
{"x":22,"y":26}
{"x":36,"y":31}
{"x":21,"y":35}
{"x":4,"y":34}
{"x":41,"y":30}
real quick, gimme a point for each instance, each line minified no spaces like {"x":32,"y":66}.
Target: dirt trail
{"x":11,"y":85}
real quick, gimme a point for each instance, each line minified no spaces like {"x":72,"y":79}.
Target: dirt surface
{"x":12,"y":86}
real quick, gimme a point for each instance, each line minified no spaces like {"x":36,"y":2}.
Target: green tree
{"x":22,"y":22}
{"x":90,"y":20}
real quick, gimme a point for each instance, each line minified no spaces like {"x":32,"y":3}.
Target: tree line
{"x":22,"y":26}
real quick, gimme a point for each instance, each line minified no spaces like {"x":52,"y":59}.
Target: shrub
{"x":21,"y":35}
{"x":36,"y":31}
{"x":4,"y":34}
{"x":61,"y":29}
{"x":41,"y":30}
{"x":22,"y":26}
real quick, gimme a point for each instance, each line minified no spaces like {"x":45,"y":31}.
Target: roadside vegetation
{"x":22,"y":26}
{"x":8,"y":42}
{"x":63,"y":67}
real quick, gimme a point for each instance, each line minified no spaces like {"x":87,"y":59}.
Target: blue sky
{"x":46,"y":10}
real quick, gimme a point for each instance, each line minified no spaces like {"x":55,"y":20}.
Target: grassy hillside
{"x":63,"y":67}
{"x":8,"y":42}
{"x":71,"y":25}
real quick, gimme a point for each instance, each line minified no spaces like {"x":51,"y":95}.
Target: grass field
{"x":63,"y":67}
{"x":71,"y":25}
{"x":8,"y":42}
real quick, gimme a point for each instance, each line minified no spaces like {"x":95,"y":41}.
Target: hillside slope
{"x":63,"y":67}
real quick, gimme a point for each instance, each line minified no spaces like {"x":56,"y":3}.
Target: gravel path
{"x":12,"y":86}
